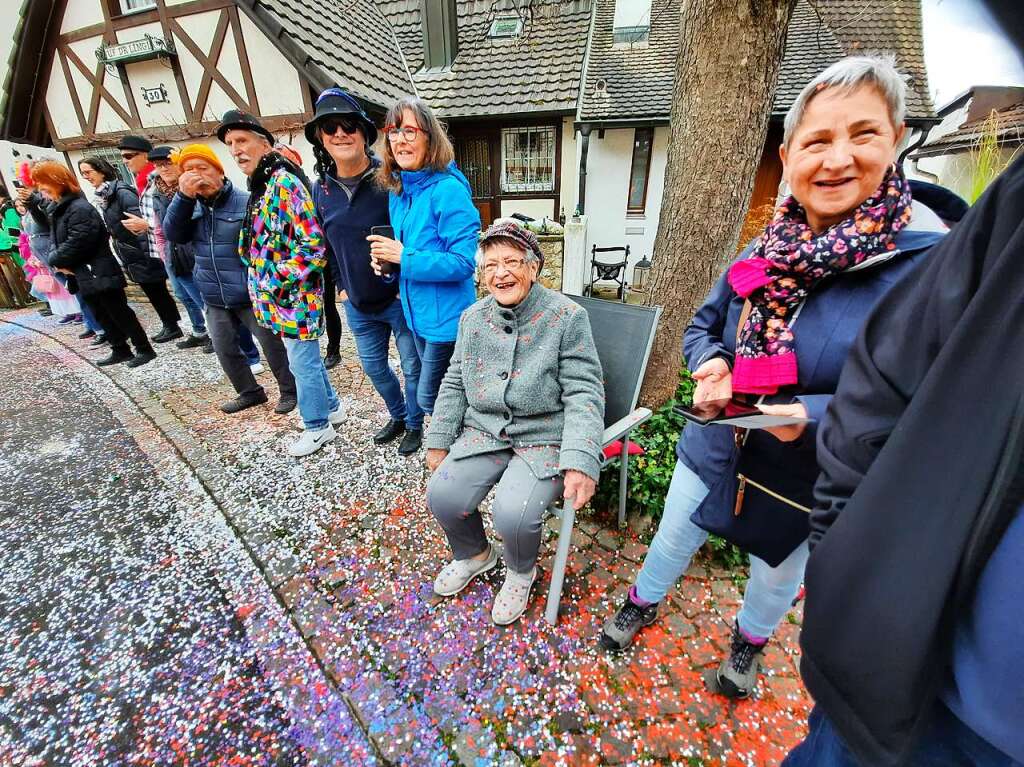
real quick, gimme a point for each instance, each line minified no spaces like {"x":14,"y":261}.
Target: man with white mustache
{"x":282,"y":245}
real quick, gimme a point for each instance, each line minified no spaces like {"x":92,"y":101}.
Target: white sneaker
{"x":336,"y":417}
{"x":511,"y":601}
{"x":457,"y":574}
{"x":311,"y":441}
{"x":256,"y":368}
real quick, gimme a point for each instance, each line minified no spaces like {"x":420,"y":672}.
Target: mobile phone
{"x":733,"y":413}
{"x":383,"y":231}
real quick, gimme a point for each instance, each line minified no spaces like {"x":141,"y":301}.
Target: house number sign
{"x":157,"y":95}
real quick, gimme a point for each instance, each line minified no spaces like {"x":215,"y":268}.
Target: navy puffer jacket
{"x":212,"y":227}
{"x":119,"y":199}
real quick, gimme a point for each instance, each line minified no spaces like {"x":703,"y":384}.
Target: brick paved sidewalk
{"x":347,"y":544}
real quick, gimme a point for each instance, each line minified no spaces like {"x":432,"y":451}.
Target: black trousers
{"x":117,"y":319}
{"x":162,"y":301}
{"x":331,"y":314}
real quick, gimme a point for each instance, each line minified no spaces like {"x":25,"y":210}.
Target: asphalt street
{"x":117,"y":645}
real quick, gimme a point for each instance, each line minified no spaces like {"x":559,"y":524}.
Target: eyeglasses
{"x":330,"y":126}
{"x":407,"y":132}
{"x":509,"y":264}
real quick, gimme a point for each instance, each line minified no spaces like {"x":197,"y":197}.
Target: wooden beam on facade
{"x":209,"y":65}
{"x":179,"y":76}
{"x":83,"y":124}
{"x":243,"y":60}
{"x":98,"y":91}
{"x":276,"y":124}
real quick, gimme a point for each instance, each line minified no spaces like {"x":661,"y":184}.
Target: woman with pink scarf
{"x":775,"y":330}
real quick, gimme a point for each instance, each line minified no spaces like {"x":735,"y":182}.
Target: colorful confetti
{"x":323,"y":569}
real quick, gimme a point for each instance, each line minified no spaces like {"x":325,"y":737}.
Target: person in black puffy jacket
{"x":81,"y":249}
{"x":117,"y":202}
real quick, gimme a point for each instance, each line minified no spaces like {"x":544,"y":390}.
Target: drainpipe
{"x":581,"y":198}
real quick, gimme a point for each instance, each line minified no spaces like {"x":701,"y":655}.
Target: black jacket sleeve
{"x":895,"y":351}
{"x":83,"y":231}
{"x":39,"y":209}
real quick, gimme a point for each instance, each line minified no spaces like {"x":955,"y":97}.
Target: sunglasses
{"x":330,"y":126}
{"x":129,"y":155}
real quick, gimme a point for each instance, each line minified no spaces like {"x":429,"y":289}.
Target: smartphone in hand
{"x":383,"y":231}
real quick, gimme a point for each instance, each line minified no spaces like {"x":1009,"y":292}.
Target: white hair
{"x":849,"y":74}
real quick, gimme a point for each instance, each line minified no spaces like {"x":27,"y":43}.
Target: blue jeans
{"x":947,"y":742}
{"x":434,"y":359}
{"x":312,"y":387}
{"x":770,"y":590}
{"x":372,"y":333}
{"x":187,"y":292}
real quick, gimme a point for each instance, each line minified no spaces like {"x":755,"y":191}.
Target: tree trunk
{"x":728,"y":63}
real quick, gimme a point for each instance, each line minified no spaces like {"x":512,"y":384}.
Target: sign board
{"x":12,"y":155}
{"x":149,"y":47}
{"x":157,"y":95}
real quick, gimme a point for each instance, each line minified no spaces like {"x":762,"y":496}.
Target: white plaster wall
{"x":608,"y":166}
{"x":534,"y":208}
{"x":150,"y":74}
{"x":80,"y":13}
{"x":278,"y":88}
{"x":58,"y":103}
{"x":570,"y":168}
{"x":954,"y":171}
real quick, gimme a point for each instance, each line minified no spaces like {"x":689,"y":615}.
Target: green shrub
{"x":651,"y":473}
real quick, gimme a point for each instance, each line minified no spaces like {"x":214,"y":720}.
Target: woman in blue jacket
{"x":436,"y":229}
{"x":777,"y":327}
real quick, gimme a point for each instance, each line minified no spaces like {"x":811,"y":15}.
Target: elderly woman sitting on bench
{"x":521,"y":408}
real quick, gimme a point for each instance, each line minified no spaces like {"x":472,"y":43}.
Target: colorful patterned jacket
{"x":283,"y":248}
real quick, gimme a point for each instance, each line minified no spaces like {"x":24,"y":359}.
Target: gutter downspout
{"x":581,"y":197}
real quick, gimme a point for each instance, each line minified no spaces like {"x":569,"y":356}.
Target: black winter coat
{"x":80,"y":243}
{"x":920,"y":454}
{"x":132,"y":249}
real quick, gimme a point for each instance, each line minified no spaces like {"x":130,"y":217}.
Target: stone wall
{"x":553,"y":246}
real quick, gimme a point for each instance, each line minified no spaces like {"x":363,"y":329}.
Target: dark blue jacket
{"x":212,"y":228}
{"x":347,"y":225}
{"x":825,"y":328}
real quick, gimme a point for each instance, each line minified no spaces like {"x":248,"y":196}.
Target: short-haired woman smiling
{"x":778,"y":325}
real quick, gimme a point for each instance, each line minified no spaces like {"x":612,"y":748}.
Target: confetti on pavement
{"x":345,"y":541}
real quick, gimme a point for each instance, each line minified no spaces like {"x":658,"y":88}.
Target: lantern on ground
{"x":641,"y":275}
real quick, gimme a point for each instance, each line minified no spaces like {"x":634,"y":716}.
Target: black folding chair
{"x":608,"y":271}
{"x":620,"y":332}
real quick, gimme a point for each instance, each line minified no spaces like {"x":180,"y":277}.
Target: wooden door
{"x":473,"y":156}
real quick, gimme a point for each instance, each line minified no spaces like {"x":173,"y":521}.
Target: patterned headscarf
{"x":789,"y":261}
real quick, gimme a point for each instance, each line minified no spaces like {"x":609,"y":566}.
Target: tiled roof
{"x":1008,"y":126}
{"x":639,"y":81}
{"x":869,"y":26}
{"x":350,"y":41}
{"x":537,"y":72}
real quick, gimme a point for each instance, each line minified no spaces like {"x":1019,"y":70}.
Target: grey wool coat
{"x":524,"y":377}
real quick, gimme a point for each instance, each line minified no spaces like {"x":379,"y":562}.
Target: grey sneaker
{"x":621,"y":628}
{"x":737,"y":676}
{"x":457,"y":574}
{"x":513,"y":598}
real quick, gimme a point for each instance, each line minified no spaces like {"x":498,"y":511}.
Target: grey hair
{"x":851,"y":73}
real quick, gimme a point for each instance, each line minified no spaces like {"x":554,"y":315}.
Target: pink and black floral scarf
{"x":789,"y":261}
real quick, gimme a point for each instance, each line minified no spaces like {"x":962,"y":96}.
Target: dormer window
{"x":506,"y":26}
{"x":632,"y":22}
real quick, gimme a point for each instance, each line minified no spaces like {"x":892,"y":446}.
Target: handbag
{"x":183,"y":262}
{"x":44,"y":283}
{"x":766,"y":517}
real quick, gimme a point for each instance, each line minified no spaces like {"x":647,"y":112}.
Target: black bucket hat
{"x":236,"y":119}
{"x":335,"y":101}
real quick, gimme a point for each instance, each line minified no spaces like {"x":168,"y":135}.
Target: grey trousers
{"x":458,"y":486}
{"x":222,"y":327}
